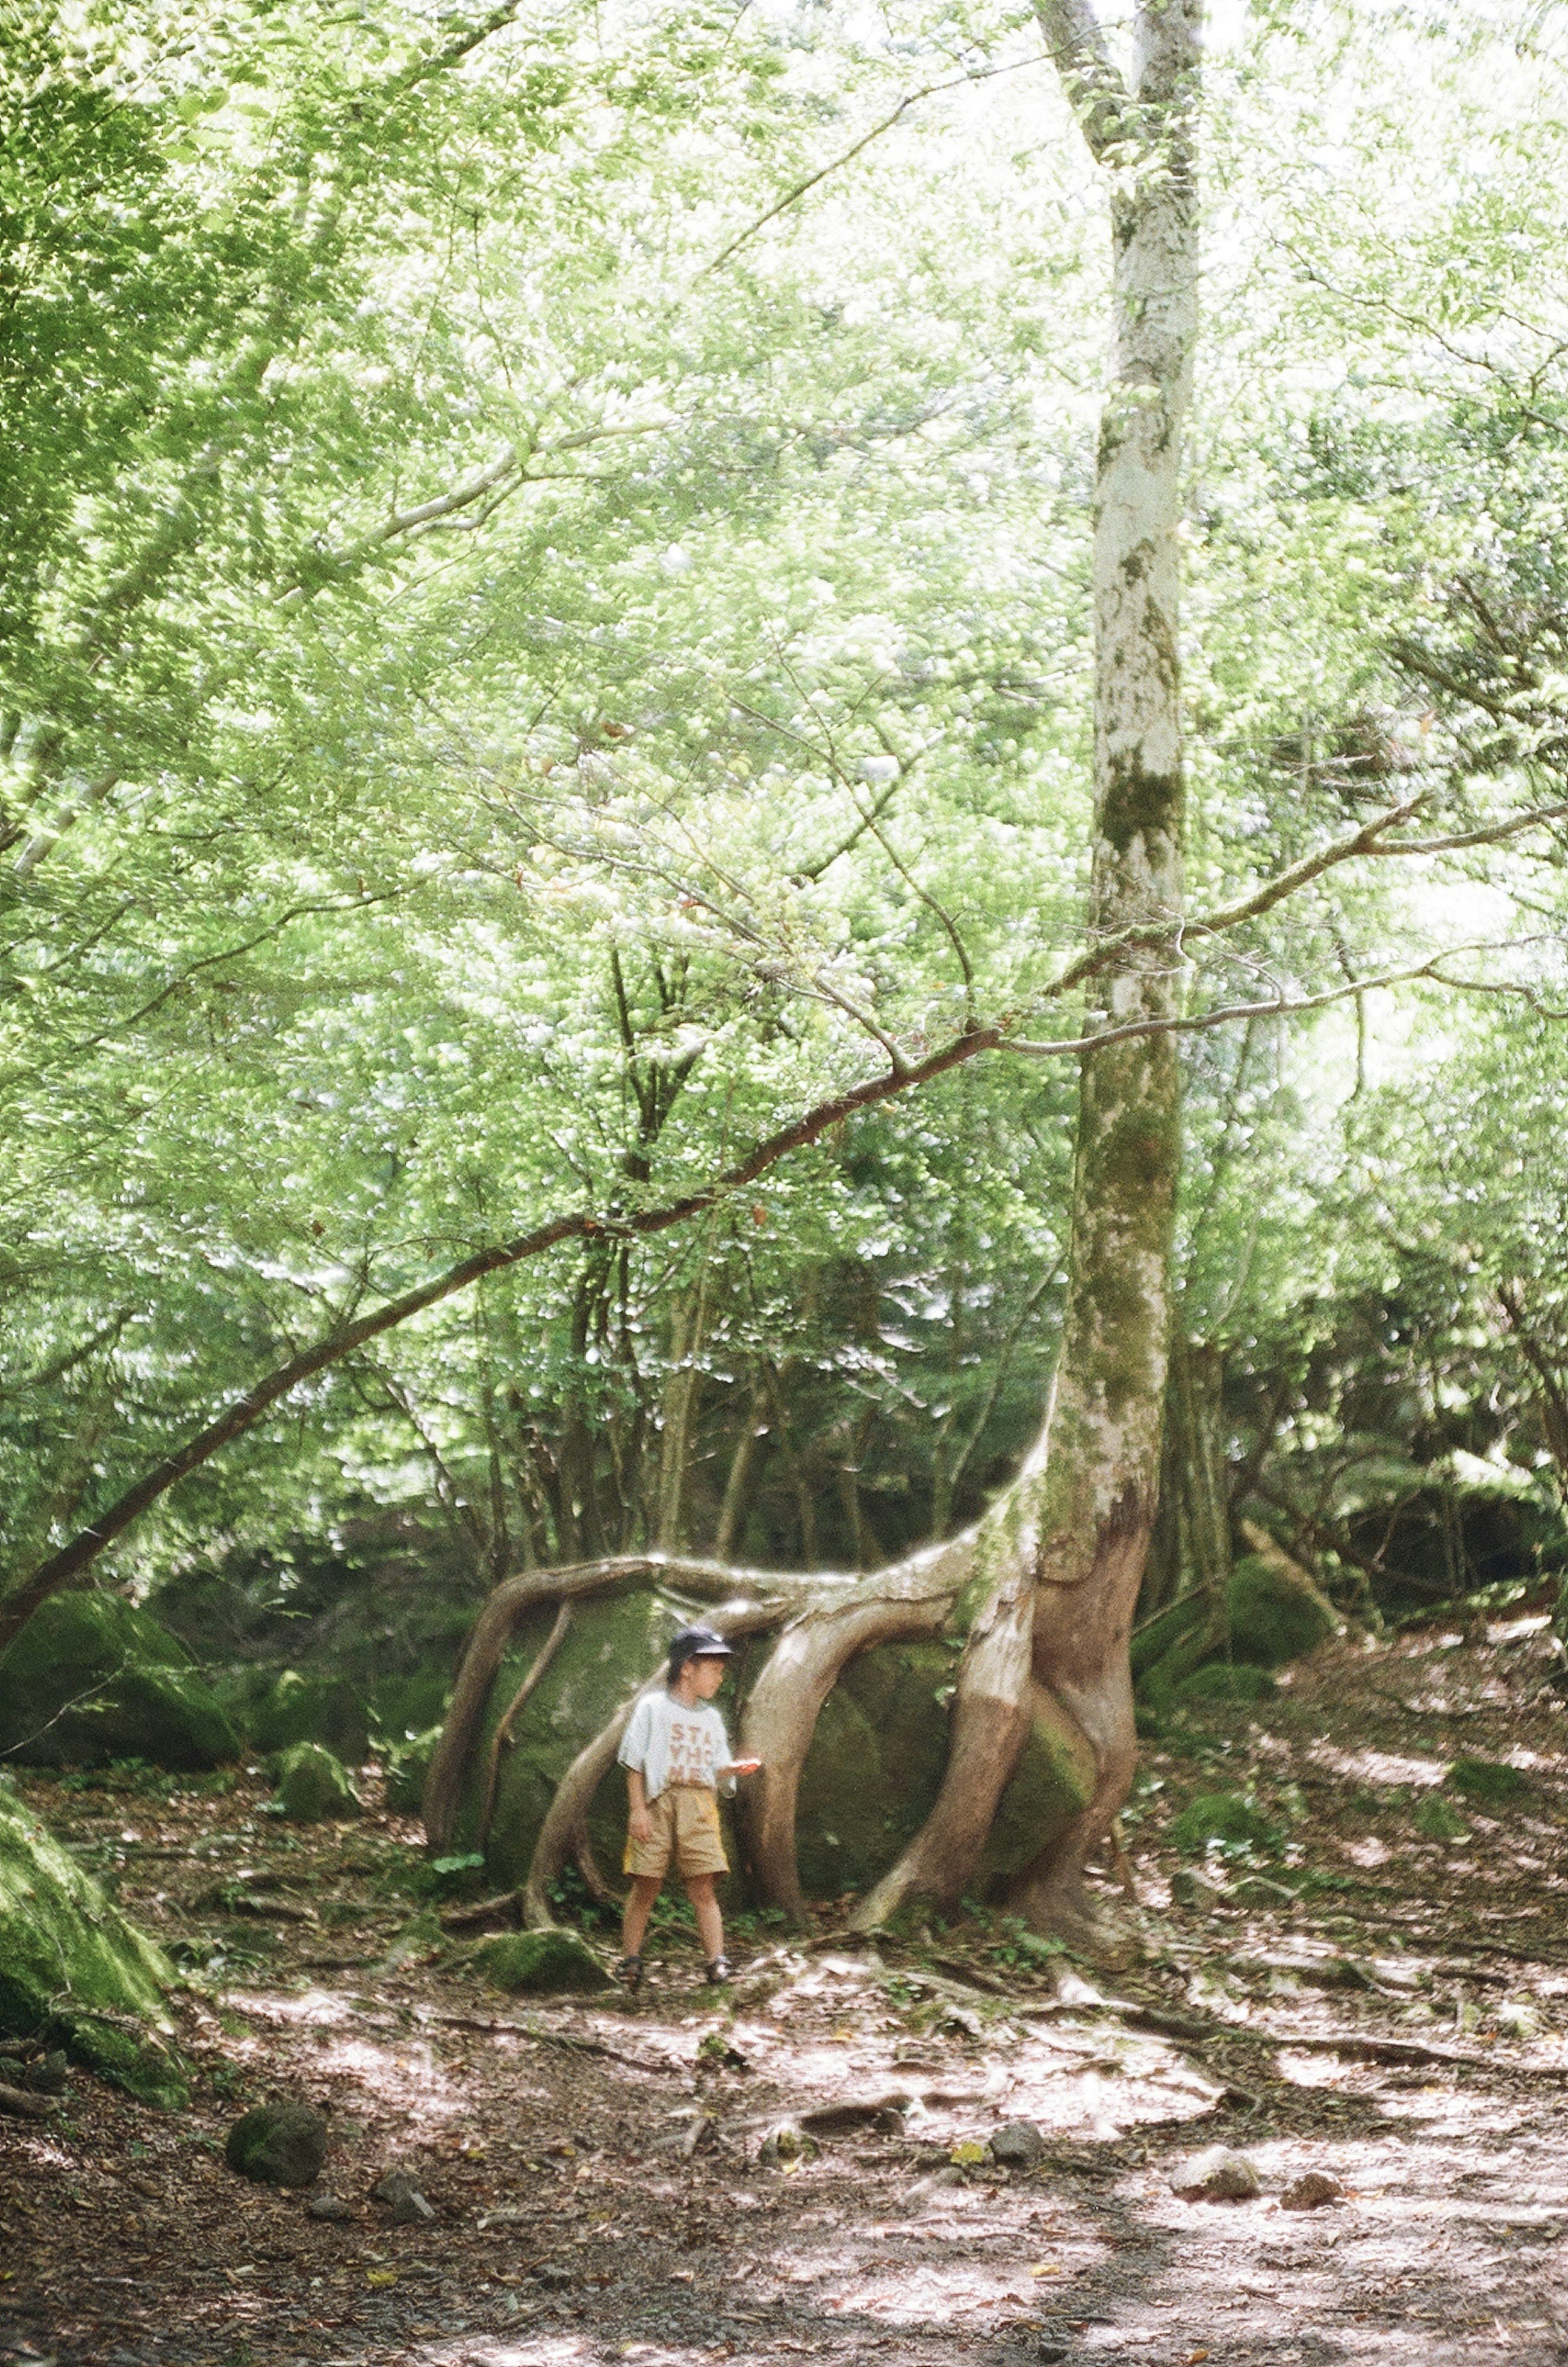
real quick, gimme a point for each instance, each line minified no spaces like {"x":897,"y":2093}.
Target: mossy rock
{"x":299,"y":1709}
{"x":312,"y":1784}
{"x":1223,"y":1816}
{"x":278,"y":2144}
{"x":91,"y":1677}
{"x":1435,"y":1820}
{"x":408,"y":1764}
{"x":72,"y":1970}
{"x":1277,"y":1613}
{"x":1487,"y":1782}
{"x":874,"y":1766}
{"x":1232,"y":1680}
{"x":551,"y":1962}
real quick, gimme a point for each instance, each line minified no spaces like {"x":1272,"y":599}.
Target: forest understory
{"x":1364,"y":1986}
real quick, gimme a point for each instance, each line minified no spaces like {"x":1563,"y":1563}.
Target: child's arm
{"x":640,"y":1824}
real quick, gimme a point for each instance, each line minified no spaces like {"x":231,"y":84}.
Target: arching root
{"x":911,"y":1599}
{"x":492,"y":1633}
{"x":502,"y":1738}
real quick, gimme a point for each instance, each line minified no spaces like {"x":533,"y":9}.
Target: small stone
{"x":1020,"y":2144}
{"x":554,"y":2275}
{"x":400,"y":2193}
{"x":1311,"y":2191}
{"x":327,"y":2206}
{"x":1218,"y":2176}
{"x":1515,"y":2020}
{"x":278,"y":2144}
{"x":1190,"y":1889}
{"x":554,"y":1962}
{"x":786,"y":2143}
{"x":312,"y":1786}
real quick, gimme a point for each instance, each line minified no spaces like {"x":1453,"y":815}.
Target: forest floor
{"x":598,"y":2170}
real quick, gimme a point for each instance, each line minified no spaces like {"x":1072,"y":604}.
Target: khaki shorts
{"x":685,"y":1824}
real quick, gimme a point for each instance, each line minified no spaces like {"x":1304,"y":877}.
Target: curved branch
{"x":492,"y":1633}
{"x":243,"y":1413}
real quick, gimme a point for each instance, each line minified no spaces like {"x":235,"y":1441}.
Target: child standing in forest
{"x":675,"y":1751}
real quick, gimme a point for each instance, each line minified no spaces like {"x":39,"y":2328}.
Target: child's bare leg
{"x":639,"y":1907}
{"x":710,"y":1922}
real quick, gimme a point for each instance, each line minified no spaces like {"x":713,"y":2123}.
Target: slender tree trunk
{"x":1062,"y":1557}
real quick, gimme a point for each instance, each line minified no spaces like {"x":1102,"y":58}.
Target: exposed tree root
{"x":502,"y":1738}
{"x":25,"y":2106}
{"x":492,"y":1633}
{"x":909,"y":1598}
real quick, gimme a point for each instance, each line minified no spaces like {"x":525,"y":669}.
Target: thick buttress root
{"x":912,"y":1599}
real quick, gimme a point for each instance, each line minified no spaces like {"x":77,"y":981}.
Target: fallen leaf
{"x":1051,"y":2269}
{"x":967,"y":2150}
{"x":381,"y":2276}
{"x":1194,"y":2359}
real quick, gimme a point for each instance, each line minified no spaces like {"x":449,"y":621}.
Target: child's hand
{"x":744,"y":1767}
{"x":640,"y":1824}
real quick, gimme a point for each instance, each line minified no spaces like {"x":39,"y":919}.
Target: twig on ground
{"x":549,"y":2038}
{"x":1353,"y":2045}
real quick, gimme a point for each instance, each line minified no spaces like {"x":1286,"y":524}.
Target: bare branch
{"x":1278,"y":1007}
{"x":813,"y":180}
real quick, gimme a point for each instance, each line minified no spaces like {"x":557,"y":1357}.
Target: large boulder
{"x":869,"y":1777}
{"x":1277,"y":1611}
{"x":73,"y":1970}
{"x":313,"y":1786}
{"x":91,"y":1677}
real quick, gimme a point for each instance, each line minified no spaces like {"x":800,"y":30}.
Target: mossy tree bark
{"x":1063,"y":1555}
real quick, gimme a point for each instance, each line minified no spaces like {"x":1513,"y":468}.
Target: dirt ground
{"x":1383,"y":2002}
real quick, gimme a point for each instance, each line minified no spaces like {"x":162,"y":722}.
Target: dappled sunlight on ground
{"x":600,"y":2185}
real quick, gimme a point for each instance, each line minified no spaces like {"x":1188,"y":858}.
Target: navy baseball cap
{"x":698,"y":1643}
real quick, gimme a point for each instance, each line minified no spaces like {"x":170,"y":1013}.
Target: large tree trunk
{"x":1065,"y":1552}
{"x":1045,"y":1585}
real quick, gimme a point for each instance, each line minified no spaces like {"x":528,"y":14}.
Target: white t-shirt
{"x":668,"y":1743}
